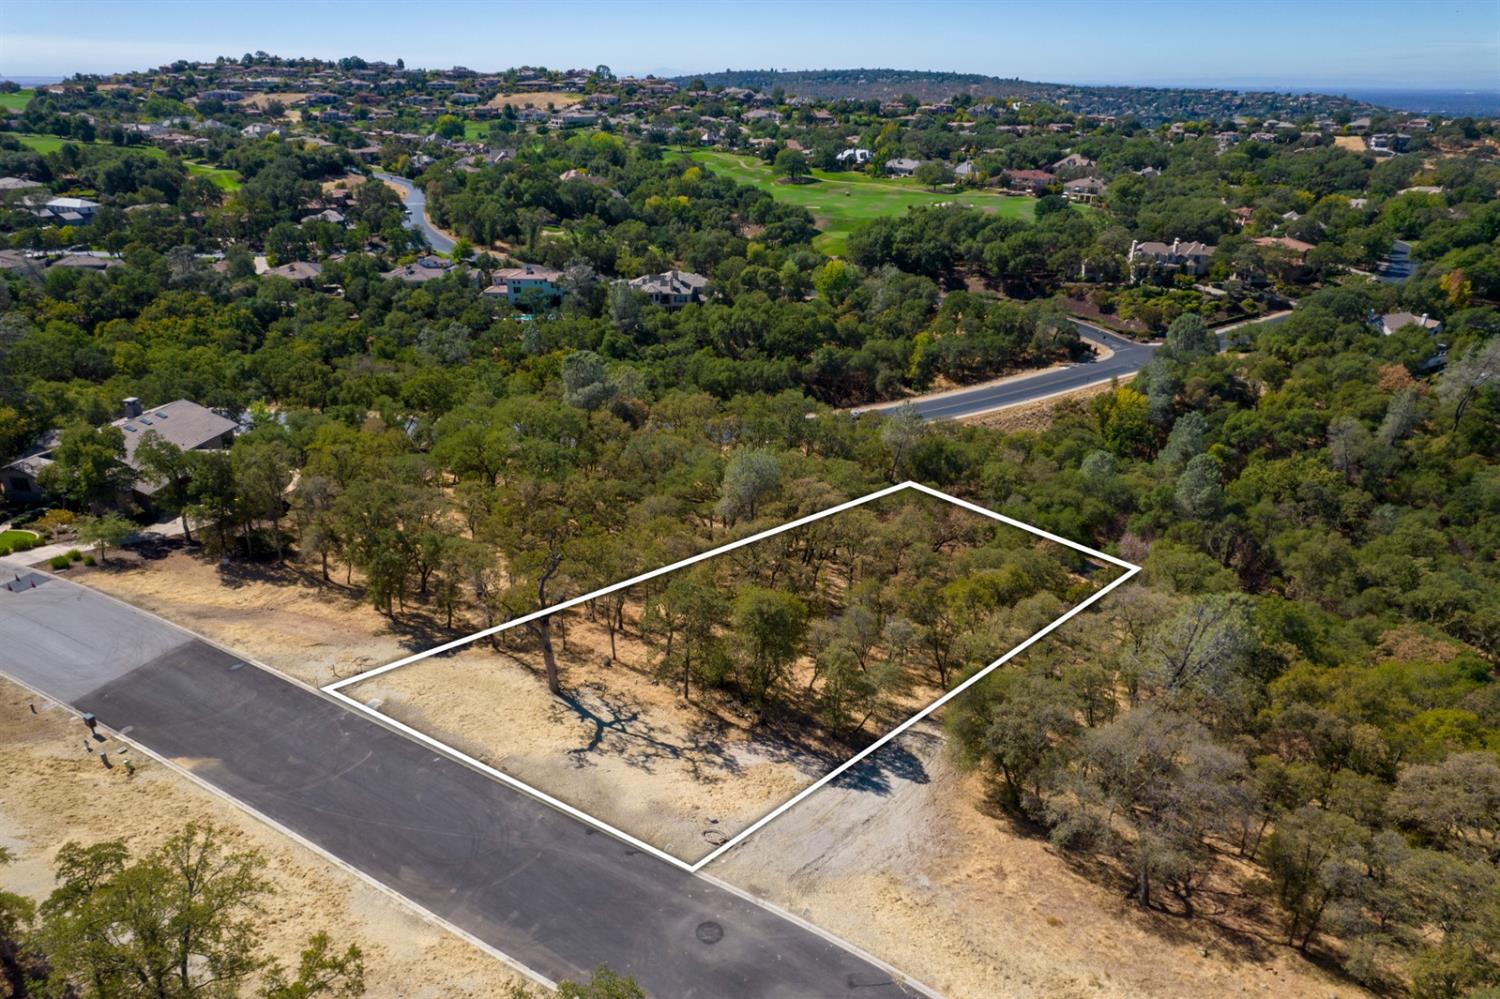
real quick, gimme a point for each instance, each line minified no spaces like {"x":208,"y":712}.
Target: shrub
{"x":59,"y":562}
{"x":54,"y":520}
{"x":88,"y":560}
{"x":22,"y":545}
{"x":74,"y":555}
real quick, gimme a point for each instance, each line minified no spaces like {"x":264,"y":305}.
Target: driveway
{"x":556,"y":895}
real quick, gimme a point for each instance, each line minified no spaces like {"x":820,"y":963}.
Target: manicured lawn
{"x":16,"y":101}
{"x":52,"y":143}
{"x":41,"y":143}
{"x":9,"y":538}
{"x":224,"y":180}
{"x":841,"y":201}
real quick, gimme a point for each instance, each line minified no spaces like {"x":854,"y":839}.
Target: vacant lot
{"x":906,"y":860}
{"x":262,"y":101}
{"x":555,"y":98}
{"x":54,"y":792}
{"x":695,"y":703}
{"x":841,"y":201}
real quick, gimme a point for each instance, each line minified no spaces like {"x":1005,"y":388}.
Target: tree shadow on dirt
{"x":619,"y":730}
{"x":890,"y":764}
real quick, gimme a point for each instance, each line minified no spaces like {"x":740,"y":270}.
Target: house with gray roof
{"x":186,"y":424}
{"x":1187,"y":256}
{"x":671,"y":289}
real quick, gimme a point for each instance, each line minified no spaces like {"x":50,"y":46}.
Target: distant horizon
{"x":1485,"y":100}
{"x":1322,"y":45}
{"x":1334,"y":89}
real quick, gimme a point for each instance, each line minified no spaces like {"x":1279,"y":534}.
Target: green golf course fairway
{"x":223,"y":179}
{"x":840,"y":201}
{"x":16,"y":101}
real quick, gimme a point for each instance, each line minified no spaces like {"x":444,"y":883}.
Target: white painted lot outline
{"x":335,"y":689}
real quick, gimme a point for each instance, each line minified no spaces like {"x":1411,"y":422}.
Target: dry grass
{"x":348,"y":181}
{"x":619,"y":745}
{"x":262,"y":101}
{"x":283,"y":617}
{"x":913,"y":866}
{"x":54,"y":792}
{"x":557,"y":98}
{"x":1350,"y":143}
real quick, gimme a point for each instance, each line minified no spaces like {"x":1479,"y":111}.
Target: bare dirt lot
{"x":52,"y":792}
{"x":624,"y":753}
{"x":282,"y":617}
{"x":557,"y":98}
{"x":620,"y":747}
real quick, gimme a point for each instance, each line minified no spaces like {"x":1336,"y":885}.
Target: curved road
{"x":1129,"y":357}
{"x":416,"y":211}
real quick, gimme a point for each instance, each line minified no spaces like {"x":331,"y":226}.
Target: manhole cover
{"x":709,"y":932}
{"x":715,"y":837}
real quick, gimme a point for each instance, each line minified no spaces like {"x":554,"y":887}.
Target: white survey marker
{"x":335,"y":689}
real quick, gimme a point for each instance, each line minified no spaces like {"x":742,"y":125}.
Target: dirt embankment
{"x":281,"y":616}
{"x":903,"y":858}
{"x":53,"y":792}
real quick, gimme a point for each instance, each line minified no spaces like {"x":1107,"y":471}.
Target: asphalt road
{"x":1397,"y":267}
{"x":556,"y":895}
{"x":1128,"y":358}
{"x":417,"y":218}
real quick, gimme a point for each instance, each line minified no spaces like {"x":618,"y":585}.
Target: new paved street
{"x":555,"y":894}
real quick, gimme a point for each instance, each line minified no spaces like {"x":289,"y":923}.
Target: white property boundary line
{"x":335,"y":689}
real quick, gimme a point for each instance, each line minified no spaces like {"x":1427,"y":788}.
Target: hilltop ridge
{"x":1146,"y":103}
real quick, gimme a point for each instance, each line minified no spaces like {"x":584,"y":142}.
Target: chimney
{"x":132,"y":408}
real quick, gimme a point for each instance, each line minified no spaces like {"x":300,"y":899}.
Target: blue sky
{"x":1410,"y":44}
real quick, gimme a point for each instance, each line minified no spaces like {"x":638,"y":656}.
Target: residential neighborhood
{"x":477,"y":521}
